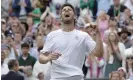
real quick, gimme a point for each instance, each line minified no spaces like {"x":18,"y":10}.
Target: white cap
{"x":122,"y":68}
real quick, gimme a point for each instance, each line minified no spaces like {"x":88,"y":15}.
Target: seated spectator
{"x":4,"y":67}
{"x":115,"y":76}
{"x":26,"y":61}
{"x":122,"y":72}
{"x":114,"y":54}
{"x":116,"y":9}
{"x":13,"y":66}
{"x":129,"y":60}
{"x":103,"y":22}
{"x":124,"y":37}
{"x":95,"y":67}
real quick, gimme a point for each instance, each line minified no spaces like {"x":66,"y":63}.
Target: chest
{"x":67,"y":42}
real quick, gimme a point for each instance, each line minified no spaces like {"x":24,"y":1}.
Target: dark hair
{"x":25,"y":45}
{"x":67,"y":4}
{"x":25,"y":25}
{"x":127,"y":67}
{"x":12,"y":63}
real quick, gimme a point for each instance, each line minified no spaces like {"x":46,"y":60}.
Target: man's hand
{"x":40,"y":76}
{"x":54,"y":56}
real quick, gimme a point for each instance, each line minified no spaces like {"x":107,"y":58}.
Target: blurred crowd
{"x":25,"y":25}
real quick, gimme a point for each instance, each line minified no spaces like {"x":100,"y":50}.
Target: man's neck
{"x":25,"y":55}
{"x":68,"y":27}
{"x":117,"y":6}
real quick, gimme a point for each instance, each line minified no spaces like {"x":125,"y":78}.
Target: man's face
{"x":67,"y":14}
{"x":16,"y":67}
{"x":25,"y":50}
{"x":116,"y":2}
{"x":115,"y":76}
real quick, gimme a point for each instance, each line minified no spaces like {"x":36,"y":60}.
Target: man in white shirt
{"x":4,"y":67}
{"x":66,"y":48}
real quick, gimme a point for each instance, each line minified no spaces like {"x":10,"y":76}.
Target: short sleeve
{"x":47,"y":46}
{"x":89,"y":43}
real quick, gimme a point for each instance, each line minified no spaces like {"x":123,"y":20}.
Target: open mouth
{"x":67,"y":15}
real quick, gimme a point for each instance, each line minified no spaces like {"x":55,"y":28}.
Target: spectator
{"x":32,"y":50}
{"x":115,"y":54}
{"x":95,"y":67}
{"x":26,"y":61}
{"x":6,"y":5}
{"x":124,"y":19}
{"x":122,"y":72}
{"x":116,"y":9}
{"x":124,"y":37}
{"x":129,"y":59}
{"x":115,"y":76}
{"x":22,"y":8}
{"x":112,"y":27}
{"x":103,"y":22}
{"x":13,"y":66}
{"x":90,"y":4}
{"x":129,"y":5}
{"x":36,"y":13}
{"x":4,"y":66}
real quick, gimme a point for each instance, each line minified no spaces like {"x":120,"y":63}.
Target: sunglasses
{"x":3,"y":22}
{"x":129,"y":57}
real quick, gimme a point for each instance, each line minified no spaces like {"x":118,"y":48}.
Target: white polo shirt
{"x":72,"y":45}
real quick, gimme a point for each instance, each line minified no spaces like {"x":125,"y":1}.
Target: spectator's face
{"x":115,"y":76}
{"x":127,"y":12}
{"x":16,"y":67}
{"x":116,"y":2}
{"x":48,"y":20}
{"x":8,"y":40}
{"x":124,"y":35}
{"x":129,"y":60}
{"x":30,"y":21}
{"x":25,"y":50}
{"x":17,"y":37}
{"x":121,"y":73}
{"x":39,"y":41}
{"x":15,"y":27}
{"x":67,"y":14}
{"x":112,"y":37}
{"x":112,"y":23}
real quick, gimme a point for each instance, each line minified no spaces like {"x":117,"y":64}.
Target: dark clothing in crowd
{"x":12,"y":76}
{"x":113,"y":13}
{"x":30,"y":61}
{"x":17,"y":8}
